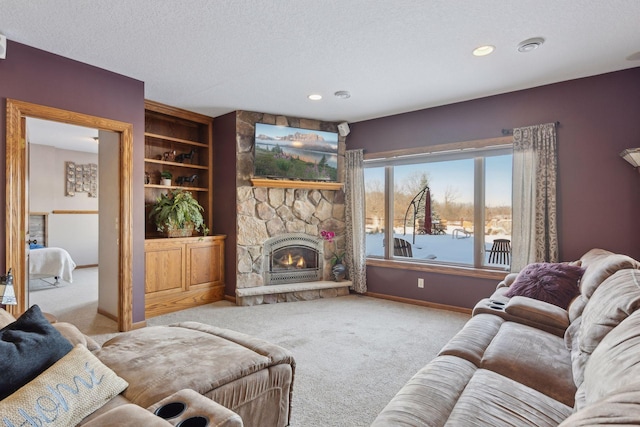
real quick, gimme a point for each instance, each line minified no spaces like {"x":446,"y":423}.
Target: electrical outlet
{"x":421,"y":283}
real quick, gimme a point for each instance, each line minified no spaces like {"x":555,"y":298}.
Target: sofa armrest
{"x":539,"y":312}
{"x":507,"y":281}
{"x":73,"y":334}
{"x":186,"y":404}
{"x":527,"y":311}
{"x":128,"y":415}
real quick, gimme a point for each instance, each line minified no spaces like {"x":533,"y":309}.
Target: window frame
{"x":477,"y":150}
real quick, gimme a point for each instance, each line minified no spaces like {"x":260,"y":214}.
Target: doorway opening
{"x":70,"y":195}
{"x":17,"y":198}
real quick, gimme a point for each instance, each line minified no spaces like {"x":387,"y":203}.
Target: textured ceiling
{"x":396,"y":56}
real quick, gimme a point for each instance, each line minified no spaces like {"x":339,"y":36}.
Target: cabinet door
{"x":205,"y":267}
{"x":164,"y":265}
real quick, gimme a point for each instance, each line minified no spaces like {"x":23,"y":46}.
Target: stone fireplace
{"x":292,"y":258}
{"x":268,"y":214}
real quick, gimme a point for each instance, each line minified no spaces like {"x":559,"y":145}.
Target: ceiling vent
{"x":530,"y":44}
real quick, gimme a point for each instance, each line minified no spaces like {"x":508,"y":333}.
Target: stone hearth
{"x":292,"y":292}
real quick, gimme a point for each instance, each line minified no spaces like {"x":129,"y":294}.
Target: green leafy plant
{"x":166,"y":175}
{"x":177,"y":209}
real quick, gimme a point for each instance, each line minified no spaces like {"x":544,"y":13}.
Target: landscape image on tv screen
{"x":297,"y":154}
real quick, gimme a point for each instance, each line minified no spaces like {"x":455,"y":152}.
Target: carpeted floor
{"x":353,"y":353}
{"x":75,"y":302}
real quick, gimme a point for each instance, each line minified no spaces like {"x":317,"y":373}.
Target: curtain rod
{"x":510,"y":131}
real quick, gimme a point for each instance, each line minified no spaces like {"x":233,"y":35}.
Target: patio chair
{"x":461,"y":233}
{"x":402,"y":248}
{"x":500,"y":252}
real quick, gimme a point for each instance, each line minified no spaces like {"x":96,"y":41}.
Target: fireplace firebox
{"x":292,"y":258}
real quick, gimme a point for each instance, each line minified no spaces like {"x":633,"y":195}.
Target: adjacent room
{"x":300,"y":213}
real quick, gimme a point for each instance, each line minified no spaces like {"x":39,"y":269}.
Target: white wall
{"x":109,"y":191}
{"x":76,"y":233}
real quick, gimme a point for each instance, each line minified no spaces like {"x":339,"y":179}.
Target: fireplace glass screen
{"x":293,"y":258}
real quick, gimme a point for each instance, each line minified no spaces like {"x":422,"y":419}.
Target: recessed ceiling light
{"x":483,"y":50}
{"x":315,"y":97}
{"x":530,"y":44}
{"x":343,"y":94}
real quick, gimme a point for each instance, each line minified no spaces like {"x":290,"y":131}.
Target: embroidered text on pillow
{"x":64,"y":394}
{"x":48,"y":405}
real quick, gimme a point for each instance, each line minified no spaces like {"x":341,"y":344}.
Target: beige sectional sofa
{"x":524,"y":362}
{"x":191,"y":374}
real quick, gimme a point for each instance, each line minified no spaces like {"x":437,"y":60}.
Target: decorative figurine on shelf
{"x":147,"y":178}
{"x":169,"y":156}
{"x":180,"y":158}
{"x":184,"y":179}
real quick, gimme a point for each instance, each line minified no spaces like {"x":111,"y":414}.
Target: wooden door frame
{"x":16,"y":186}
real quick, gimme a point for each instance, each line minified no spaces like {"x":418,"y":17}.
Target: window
{"x":467,"y":207}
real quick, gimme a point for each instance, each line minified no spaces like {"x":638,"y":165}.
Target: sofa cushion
{"x":612,"y":302}
{"x":493,"y":400}
{"x":555,"y":283}
{"x":28,"y":346}
{"x":533,"y":358}
{"x":430,"y":395}
{"x":602,"y":267}
{"x":619,"y":409}
{"x":594,"y":255}
{"x":577,"y":307}
{"x":578,"y":357}
{"x":615,"y":363}
{"x":64,"y":394}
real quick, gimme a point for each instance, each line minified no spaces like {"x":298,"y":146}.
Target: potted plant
{"x":177,"y":214}
{"x":165,"y":178}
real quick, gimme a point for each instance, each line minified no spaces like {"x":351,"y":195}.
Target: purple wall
{"x":39,"y":77}
{"x":224,"y":193}
{"x":598,"y":192}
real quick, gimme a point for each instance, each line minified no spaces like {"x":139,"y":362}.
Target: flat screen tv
{"x":297,"y":154}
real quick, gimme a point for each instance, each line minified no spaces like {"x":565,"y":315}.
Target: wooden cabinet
{"x":180,"y":272}
{"x":179,"y":142}
{"x":183,"y":273}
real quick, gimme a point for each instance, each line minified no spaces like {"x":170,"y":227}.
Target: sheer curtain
{"x":354,"y":218}
{"x":534,"y":234}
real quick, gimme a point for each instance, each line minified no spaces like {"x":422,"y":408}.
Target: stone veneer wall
{"x":264,"y":212}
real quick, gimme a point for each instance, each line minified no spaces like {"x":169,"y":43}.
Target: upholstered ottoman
{"x":247,"y":375}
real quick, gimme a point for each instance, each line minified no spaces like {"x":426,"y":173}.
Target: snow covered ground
{"x":450,"y":247}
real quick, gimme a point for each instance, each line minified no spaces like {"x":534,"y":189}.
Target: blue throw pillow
{"x":28,"y":346}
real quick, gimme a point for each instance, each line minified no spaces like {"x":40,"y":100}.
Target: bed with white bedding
{"x":51,"y":262}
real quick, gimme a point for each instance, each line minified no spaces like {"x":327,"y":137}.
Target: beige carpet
{"x":75,"y":302}
{"x":353,"y":353}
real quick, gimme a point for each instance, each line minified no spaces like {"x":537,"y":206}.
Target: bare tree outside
{"x":374,"y":206}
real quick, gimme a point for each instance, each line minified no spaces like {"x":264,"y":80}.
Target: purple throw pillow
{"x":554,"y":283}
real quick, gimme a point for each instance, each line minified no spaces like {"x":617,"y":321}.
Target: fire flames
{"x":291,"y":261}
